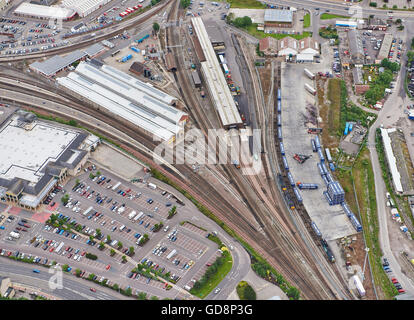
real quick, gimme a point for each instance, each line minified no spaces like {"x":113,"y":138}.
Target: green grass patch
{"x":246,"y":4}
{"x":252,"y":30}
{"x":326,"y":16}
{"x":245,"y":291}
{"x":306,"y":20}
{"x":328,"y":33}
{"x":213,"y":276}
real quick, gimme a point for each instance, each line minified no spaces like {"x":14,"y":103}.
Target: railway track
{"x":120,"y":27}
{"x":268,"y":243}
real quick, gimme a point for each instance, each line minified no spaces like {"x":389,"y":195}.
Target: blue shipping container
{"x":346,"y":128}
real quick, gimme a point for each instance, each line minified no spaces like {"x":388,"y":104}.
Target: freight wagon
{"x":309,"y":74}
{"x":285,"y":163}
{"x":279,"y":106}
{"x":279,"y":120}
{"x":282,"y":149}
{"x":297,"y":194}
{"x":355,"y":223}
{"x":328,"y":155}
{"x":314,"y":149}
{"x":279,"y":133}
{"x":328,"y":251}
{"x":316,"y":229}
{"x":307,"y":186}
{"x":317,"y":142}
{"x":291,"y":180}
{"x":279,"y":94}
{"x":322,"y":173}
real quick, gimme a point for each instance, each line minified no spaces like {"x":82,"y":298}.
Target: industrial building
{"x":27,"y":9}
{"x":215,"y":35}
{"x":391,"y":160}
{"x":84,"y":7}
{"x":385,"y":46}
{"x":214,"y":78}
{"x":128,"y":98}
{"x":138,"y":68}
{"x":268,"y":46}
{"x":6,"y":288}
{"x":52,"y":66}
{"x":356,"y":48}
{"x":37,"y":155}
{"x":275,"y":18}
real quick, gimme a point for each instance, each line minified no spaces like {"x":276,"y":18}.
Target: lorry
{"x":171,"y":254}
{"x":132,"y":215}
{"x":59,"y":247}
{"x":411,"y":115}
{"x":309,"y":74}
{"x":310,"y":89}
{"x":139,"y":215}
{"x":152,"y":186}
{"x":86,"y":212}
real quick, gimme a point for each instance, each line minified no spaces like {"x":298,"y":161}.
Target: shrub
{"x":91,"y":256}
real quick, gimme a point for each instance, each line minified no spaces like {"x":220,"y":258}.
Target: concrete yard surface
{"x":116,"y":162}
{"x":331,"y":220}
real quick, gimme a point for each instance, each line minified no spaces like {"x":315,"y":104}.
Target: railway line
{"x":276,"y":253}
{"x":117,"y":28}
{"x":274,"y":242}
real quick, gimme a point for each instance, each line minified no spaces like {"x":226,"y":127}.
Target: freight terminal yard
{"x":127,"y":222}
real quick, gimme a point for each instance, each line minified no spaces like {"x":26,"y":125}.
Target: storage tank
{"x":291,"y":180}
{"x":285,"y":163}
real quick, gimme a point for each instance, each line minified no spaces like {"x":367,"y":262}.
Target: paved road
{"x":73,"y":288}
{"x":389,"y":114}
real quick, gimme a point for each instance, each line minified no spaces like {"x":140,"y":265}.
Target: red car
{"x":129,"y":190}
{"x":401,"y":290}
{"x":18,"y":228}
{"x":9,"y":253}
{"x":140,"y":6}
{"x":108,"y":267}
{"x":93,"y":289}
{"x":83,"y":253}
{"x":165,"y":285}
{"x":51,"y":249}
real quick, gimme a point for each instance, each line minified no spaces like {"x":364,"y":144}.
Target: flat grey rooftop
{"x":331,"y":220}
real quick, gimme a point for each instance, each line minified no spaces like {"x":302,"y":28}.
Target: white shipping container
{"x":139,"y":215}
{"x":358,"y":285}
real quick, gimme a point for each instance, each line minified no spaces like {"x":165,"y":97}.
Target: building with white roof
{"x":84,"y":7}
{"x":135,"y":101}
{"x":214,"y":77}
{"x":27,"y":9}
{"x":391,"y":160}
{"x":36,"y":155}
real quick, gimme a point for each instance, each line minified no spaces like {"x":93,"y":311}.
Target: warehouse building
{"x":27,"y":9}
{"x":37,"y":155}
{"x":84,"y":7}
{"x":391,"y":160}
{"x":275,"y":18}
{"x":214,"y":78}
{"x":129,"y":99}
{"x":385,"y":47}
{"x":52,"y":66}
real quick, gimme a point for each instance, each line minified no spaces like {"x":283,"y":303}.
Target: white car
{"x":217,"y":290}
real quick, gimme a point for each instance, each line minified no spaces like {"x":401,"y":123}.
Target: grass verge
{"x":326,"y":16}
{"x":246,"y":4}
{"x":252,"y":29}
{"x":306,"y":21}
{"x":217,"y":271}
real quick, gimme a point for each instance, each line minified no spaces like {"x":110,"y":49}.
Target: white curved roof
{"x":30,"y":9}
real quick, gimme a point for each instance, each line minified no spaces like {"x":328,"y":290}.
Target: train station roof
{"x":51,"y":66}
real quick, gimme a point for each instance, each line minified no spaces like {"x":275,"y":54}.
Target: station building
{"x":37,"y":155}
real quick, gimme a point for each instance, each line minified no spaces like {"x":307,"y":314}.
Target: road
{"x":73,"y":288}
{"x":389,"y":114}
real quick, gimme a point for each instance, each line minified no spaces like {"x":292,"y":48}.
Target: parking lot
{"x":102,"y":205}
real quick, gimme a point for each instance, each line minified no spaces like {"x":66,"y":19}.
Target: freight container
{"x":285,"y":163}
{"x":329,"y":177}
{"x":279,"y":94}
{"x":310,"y":89}
{"x":86,"y":212}
{"x":307,"y":186}
{"x":321,"y":171}
{"x":116,"y":186}
{"x":135,"y":49}
{"x":291,"y":180}
{"x":279,"y":120}
{"x":346,"y":128}
{"x":309,"y":74}
{"x":320,"y":153}
{"x":328,"y":155}
{"x":314,"y":149}
{"x":279,"y":106}
{"x":325,"y":179}
{"x":335,"y":192}
{"x":351,"y":125}
{"x":316,"y":229}
{"x":282,"y":149}
{"x":171,"y":254}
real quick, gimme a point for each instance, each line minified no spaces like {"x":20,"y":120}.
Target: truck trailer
{"x":310,"y":89}
{"x":309,"y":74}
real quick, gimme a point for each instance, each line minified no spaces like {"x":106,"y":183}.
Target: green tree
{"x":98,"y":173}
{"x":120,"y":245}
{"x":91,"y":176}
{"x":142,"y":296}
{"x":185,"y":3}
{"x":65,"y":267}
{"x":156,"y":27}
{"x":78,"y":272}
{"x":72,"y":123}
{"x":101,"y":245}
{"x":124,"y":259}
{"x":398,"y":21}
{"x":400,"y":27}
{"x":90,"y":238}
{"x":131,"y":251}
{"x":115,"y":287}
{"x":91,"y":276}
{"x":112,"y":252}
{"x":128,"y":292}
{"x":155,"y":298}
{"x":98,"y":232}
{"x":410,"y":55}
{"x":65,"y":199}
{"x":249,"y":293}
{"x":108,"y":238}
{"x":293,"y":293}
